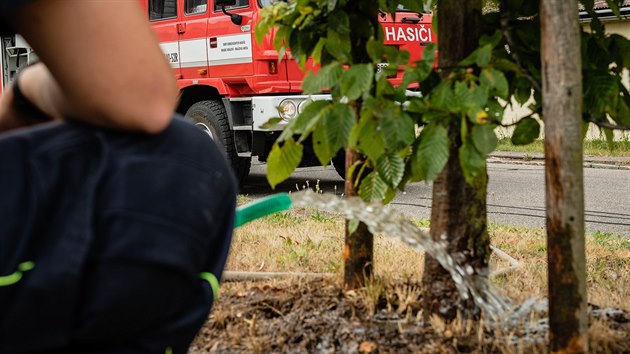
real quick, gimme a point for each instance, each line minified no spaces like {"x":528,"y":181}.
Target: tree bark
{"x":359,"y":243}
{"x":358,"y":252}
{"x":458,"y":211}
{"x":562,"y":98}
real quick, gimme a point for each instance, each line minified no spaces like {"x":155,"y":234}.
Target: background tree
{"x":564,"y":180}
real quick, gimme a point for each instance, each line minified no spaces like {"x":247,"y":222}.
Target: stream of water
{"x":389,"y":222}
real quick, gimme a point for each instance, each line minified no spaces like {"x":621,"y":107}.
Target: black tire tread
{"x":213,"y":113}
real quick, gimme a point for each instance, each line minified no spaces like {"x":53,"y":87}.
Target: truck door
{"x":229,"y":44}
{"x":163,"y":15}
{"x":193,"y":39}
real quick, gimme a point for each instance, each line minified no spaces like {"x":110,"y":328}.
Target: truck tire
{"x":211,"y":117}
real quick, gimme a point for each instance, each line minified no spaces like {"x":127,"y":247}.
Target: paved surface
{"x":515,"y":191}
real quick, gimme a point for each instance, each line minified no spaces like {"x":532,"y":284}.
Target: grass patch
{"x":309,"y":241}
{"x":591,"y":147}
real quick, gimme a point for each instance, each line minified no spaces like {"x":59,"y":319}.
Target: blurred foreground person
{"x":115,"y":217}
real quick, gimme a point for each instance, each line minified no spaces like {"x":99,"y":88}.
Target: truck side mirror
{"x":236,"y":19}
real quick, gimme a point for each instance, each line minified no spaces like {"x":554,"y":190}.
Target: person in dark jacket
{"x":116,"y":214}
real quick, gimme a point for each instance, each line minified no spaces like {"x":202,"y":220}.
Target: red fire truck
{"x":230,"y":84}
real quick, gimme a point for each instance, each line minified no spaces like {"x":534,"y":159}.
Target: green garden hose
{"x":261,"y":207}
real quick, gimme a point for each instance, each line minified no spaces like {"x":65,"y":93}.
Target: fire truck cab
{"x":230,"y":84}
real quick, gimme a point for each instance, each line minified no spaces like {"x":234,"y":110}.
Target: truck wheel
{"x":210,"y":116}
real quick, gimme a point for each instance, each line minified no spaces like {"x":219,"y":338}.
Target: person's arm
{"x":102,"y":64}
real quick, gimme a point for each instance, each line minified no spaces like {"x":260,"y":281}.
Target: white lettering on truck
{"x":408,"y":34}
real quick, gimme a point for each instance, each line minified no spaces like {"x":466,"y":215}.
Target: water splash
{"x":389,"y":222}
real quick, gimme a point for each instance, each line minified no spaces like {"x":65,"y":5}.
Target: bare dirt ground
{"x":319,"y":316}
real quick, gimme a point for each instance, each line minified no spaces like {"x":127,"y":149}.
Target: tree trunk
{"x":458,"y":211}
{"x":562,"y":98}
{"x":359,"y":243}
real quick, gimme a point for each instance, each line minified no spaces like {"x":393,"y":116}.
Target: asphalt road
{"x":516,"y":194}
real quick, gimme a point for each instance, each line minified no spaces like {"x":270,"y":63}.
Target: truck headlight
{"x":287,"y":109}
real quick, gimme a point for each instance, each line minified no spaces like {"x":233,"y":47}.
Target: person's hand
{"x":17,"y":113}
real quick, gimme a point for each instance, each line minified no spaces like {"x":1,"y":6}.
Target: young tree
{"x":346,"y":38}
{"x":458,"y":209}
{"x":562,"y":101}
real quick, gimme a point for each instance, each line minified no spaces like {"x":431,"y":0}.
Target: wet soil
{"x":319,"y":316}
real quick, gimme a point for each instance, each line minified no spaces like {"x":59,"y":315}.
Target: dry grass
{"x":311,"y":241}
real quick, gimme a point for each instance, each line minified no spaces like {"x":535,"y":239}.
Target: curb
{"x":613,"y":163}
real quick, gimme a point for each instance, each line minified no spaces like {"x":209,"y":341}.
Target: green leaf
{"x":428,"y":53}
{"x":384,"y":87}
{"x":613,"y":6}
{"x":610,"y":138}
{"x":372,"y":188}
{"x":621,"y":115}
{"x":478,"y":95}
{"x":272,"y":122}
{"x":601,"y":92}
{"x":523,"y":91}
{"x":416,"y":105}
{"x":481,"y":56}
{"x":340,"y":21}
{"x":431,"y":154}
{"x":416,"y":74}
{"x":375,"y":50}
{"x":356,"y":81}
{"x":493,"y":40}
{"x":413,"y":5}
{"x":484,"y":138}
{"x":331,"y":134}
{"x":527,"y":130}
{"x":338,"y":46}
{"x":366,"y":138}
{"x":463,"y":96}
{"x":282,"y":161}
{"x":317,"y":51}
{"x":398,"y":129}
{"x":484,"y":55}
{"x":471,"y":160}
{"x":353,"y":225}
{"x":442,"y":96}
{"x":495,"y":81}
{"x":389,"y":195}
{"x":327,"y":77}
{"x":391,"y":168}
